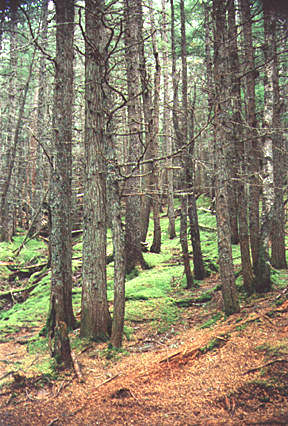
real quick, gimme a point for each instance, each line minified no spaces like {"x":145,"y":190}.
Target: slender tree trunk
{"x":113,"y":181}
{"x":263,"y":281}
{"x":61,"y":316}
{"x":252,"y":146}
{"x":181,"y":136}
{"x":199,"y":270}
{"x":156,"y":244}
{"x":238,"y":136}
{"x":146,"y":87}
{"x":167,"y":128}
{"x":95,"y":316}
{"x":229,"y":292}
{"x":8,"y":159}
{"x":209,"y":87}
{"x":133,"y":248}
{"x":41,"y":115}
{"x":278,"y":254}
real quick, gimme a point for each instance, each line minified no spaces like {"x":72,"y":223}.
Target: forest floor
{"x":233,"y":373}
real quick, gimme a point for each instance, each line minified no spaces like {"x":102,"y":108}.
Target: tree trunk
{"x":8,"y":159}
{"x":167,"y":127}
{"x":252,"y":146}
{"x":133,"y":248}
{"x":278,"y":255}
{"x":155,"y":189}
{"x":263,"y":281}
{"x":61,"y":315}
{"x":229,"y":292}
{"x":237,"y":137}
{"x":181,"y":136}
{"x":95,"y":316}
{"x":199,"y":270}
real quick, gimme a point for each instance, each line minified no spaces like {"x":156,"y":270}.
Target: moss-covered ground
{"x":156,"y":298}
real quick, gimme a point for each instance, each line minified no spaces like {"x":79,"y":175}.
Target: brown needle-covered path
{"x":235,"y":373}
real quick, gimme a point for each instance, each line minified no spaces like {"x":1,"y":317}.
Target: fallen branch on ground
{"x":252,"y":370}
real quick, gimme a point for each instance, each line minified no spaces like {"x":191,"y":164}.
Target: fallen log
{"x":25,"y":271}
{"x":8,"y":294}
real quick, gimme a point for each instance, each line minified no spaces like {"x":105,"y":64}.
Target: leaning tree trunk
{"x":95,"y":316}
{"x":61,"y":316}
{"x":229,"y":291}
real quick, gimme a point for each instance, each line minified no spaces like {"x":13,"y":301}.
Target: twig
{"x":107,"y":381}
{"x":53,"y":421}
{"x":251,"y":370}
{"x":6,"y":375}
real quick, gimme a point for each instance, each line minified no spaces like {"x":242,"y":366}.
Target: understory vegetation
{"x":156,"y":298}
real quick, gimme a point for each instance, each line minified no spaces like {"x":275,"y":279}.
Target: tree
{"x":252,"y":145}
{"x":278,"y":254}
{"x":181,"y":133}
{"x":263,"y":281}
{"x":237,"y":137}
{"x":133,"y":248}
{"x":95,"y":316}
{"x":61,"y":316}
{"x":167,"y":139}
{"x":229,"y":292}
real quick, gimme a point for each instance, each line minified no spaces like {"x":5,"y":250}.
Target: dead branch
{"x":252,"y":370}
{"x":107,"y":381}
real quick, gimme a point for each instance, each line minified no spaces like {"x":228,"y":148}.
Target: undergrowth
{"x":150,"y":294}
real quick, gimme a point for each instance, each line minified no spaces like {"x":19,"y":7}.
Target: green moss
{"x":212,"y":321}
{"x":213,"y":344}
{"x":269,"y":350}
